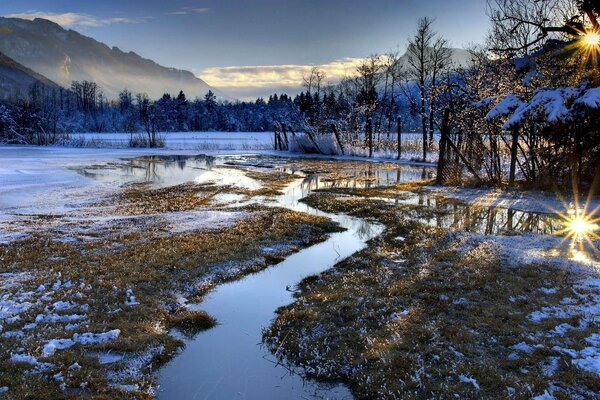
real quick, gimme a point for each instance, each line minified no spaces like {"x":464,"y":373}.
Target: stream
{"x":229,"y":360}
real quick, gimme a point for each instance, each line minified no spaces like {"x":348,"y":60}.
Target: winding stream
{"x":228,"y":361}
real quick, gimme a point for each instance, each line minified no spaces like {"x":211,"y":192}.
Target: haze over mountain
{"x":16,"y":79}
{"x":65,"y":55}
{"x":250,"y":82}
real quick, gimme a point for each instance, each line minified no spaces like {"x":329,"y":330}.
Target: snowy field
{"x":48,"y":190}
{"x":183,"y":140}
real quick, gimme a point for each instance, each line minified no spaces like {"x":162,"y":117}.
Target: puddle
{"x":456,"y":215}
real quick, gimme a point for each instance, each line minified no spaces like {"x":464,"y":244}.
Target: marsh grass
{"x":419,"y":318}
{"x":156,"y":265}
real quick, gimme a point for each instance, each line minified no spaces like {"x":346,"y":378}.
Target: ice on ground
{"x":130,"y":299}
{"x":472,"y":381}
{"x":84,"y":339}
{"x":228,"y":177}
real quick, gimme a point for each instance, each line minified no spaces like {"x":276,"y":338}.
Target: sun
{"x":591,"y":38}
{"x":581,"y":226}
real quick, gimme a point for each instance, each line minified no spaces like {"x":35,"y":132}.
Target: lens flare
{"x":591,"y":38}
{"x":581,"y":227}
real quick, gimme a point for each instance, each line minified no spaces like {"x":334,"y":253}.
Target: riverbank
{"x":429,"y":309}
{"x":92,"y":286}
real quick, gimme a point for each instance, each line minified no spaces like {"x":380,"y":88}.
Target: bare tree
{"x":369,"y":75}
{"x":314,"y":80}
{"x":441,"y":59}
{"x":419,"y":61}
{"x":520,"y":26}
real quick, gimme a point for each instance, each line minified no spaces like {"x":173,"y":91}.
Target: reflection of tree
{"x":492,"y":220}
{"x":365,"y":229}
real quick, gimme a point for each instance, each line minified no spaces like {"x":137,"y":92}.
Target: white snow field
{"x":183,"y":140}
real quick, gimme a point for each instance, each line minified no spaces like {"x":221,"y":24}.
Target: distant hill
{"x":65,"y":55}
{"x":16,"y":79}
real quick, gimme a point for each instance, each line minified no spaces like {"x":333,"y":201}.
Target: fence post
{"x":370,"y":136}
{"x":337,"y":137}
{"x":399,"y":138}
{"x":442,"y":146}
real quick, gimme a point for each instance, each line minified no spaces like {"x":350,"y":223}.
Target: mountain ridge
{"x":16,"y":79}
{"x":66,"y":55}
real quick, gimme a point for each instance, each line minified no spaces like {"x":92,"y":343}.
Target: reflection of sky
{"x":199,"y":34}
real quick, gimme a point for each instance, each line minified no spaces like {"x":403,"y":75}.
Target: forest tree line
{"x":524,"y":109}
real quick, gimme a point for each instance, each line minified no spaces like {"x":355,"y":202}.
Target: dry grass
{"x":408,"y":319}
{"x":156,"y":265}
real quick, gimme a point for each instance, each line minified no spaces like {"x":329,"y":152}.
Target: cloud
{"x":268,"y":76}
{"x":71,"y":19}
{"x":189,"y":10}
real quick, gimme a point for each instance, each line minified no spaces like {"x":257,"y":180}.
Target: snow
{"x":472,"y":381}
{"x":507,"y":105}
{"x":188,"y":140}
{"x":130,"y":299}
{"x":24,"y":358}
{"x":545,"y":396}
{"x":591,"y":98}
{"x":29,"y":359}
{"x":554,"y":104}
{"x":188,"y":221}
{"x":228,"y":177}
{"x":84,"y":339}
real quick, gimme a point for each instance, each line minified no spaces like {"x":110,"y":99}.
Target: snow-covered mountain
{"x":16,"y":79}
{"x":65,"y":55}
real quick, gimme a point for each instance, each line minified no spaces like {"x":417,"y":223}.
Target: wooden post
{"x":513,"y":157}
{"x":296,"y":139}
{"x":443,"y":140}
{"x":370,"y":136}
{"x":462,"y":158}
{"x":337,"y":138}
{"x":285,"y":137}
{"x":314,"y":142}
{"x":399,"y":138}
{"x":275,"y":136}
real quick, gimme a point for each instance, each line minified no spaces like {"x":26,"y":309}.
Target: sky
{"x":247,"y":47}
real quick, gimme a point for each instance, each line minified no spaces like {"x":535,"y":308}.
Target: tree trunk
{"x":424,"y":124}
{"x":513,"y":157}
{"x":399,"y":138}
{"x":370,"y":135}
{"x":443,"y":140}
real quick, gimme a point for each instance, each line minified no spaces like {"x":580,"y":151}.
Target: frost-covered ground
{"x":81,"y":254}
{"x":98,"y":254}
{"x":543,"y":202}
{"x":182,"y":140}
{"x":430,"y":311}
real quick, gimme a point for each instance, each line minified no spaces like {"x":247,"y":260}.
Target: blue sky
{"x":205,"y":35}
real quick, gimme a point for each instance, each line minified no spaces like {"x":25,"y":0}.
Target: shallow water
{"x":229,"y":361}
